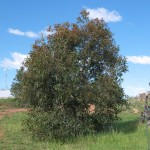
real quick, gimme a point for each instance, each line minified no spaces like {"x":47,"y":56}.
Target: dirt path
{"x":11,"y":111}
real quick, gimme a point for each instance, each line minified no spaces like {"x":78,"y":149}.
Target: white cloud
{"x":139,"y":59}
{"x":29,"y":34}
{"x":5,"y":94}
{"x":16,"y":31}
{"x":21,"y":33}
{"x":102,"y":13}
{"x":15,"y":62}
{"x":45,"y":32}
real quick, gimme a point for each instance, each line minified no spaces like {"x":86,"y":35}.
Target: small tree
{"x":79,"y":66}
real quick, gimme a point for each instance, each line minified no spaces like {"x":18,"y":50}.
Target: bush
{"x":78,"y":67}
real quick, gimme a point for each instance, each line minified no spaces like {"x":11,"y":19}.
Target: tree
{"x":17,"y":87}
{"x":78,"y":67}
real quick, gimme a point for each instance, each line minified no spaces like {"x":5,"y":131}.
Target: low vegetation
{"x":126,"y":134}
{"x":8,"y":103}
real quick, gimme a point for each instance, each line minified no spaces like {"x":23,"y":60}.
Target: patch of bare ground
{"x":12,"y":111}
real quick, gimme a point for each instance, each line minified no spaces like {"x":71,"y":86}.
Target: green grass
{"x":128,"y":134}
{"x":8,"y":103}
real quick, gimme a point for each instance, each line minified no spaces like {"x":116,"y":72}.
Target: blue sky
{"x":23,"y":21}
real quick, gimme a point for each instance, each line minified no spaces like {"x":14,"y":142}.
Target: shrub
{"x":77,"y":66}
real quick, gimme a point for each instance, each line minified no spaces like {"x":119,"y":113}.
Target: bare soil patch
{"x":11,"y":111}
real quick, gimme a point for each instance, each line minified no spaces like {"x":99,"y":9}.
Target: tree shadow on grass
{"x":127,"y":126}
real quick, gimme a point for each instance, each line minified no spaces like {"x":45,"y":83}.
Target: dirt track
{"x":11,"y":111}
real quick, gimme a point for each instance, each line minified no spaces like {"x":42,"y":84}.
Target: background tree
{"x":17,"y":87}
{"x":77,"y":67}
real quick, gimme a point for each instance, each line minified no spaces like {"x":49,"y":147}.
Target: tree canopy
{"x":76,"y":68}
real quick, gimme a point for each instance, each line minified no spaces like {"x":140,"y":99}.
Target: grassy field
{"x":8,"y":103}
{"x":128,"y":134}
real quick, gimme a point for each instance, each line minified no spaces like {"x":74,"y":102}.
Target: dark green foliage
{"x":77,"y":66}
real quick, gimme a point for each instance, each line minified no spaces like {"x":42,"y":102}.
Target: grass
{"x":128,"y":134}
{"x":8,"y":103}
